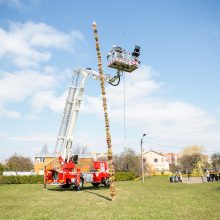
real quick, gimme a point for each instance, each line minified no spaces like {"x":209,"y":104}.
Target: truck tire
{"x":95,"y":184}
{"x":65,"y":186}
{"x":106,"y":182}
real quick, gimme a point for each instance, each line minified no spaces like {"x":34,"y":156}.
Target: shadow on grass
{"x":61,"y":189}
{"x":97,"y":188}
{"x":89,"y":189}
{"x":97,"y":194}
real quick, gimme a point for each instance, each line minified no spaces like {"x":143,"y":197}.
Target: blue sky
{"x":173,"y":96}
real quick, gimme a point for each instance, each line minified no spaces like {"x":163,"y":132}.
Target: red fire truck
{"x":69,"y":174}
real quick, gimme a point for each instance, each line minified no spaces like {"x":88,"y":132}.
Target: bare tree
{"x":216,"y":160}
{"x":103,"y":158}
{"x":44,"y":150}
{"x":128,"y":161}
{"x":19,"y":163}
{"x":78,"y":149}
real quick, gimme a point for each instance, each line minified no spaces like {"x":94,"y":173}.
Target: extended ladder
{"x":72,"y":106}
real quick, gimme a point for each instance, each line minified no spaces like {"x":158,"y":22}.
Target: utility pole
{"x":142,"y":162}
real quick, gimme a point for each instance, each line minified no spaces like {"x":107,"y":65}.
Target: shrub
{"x":124,"y":176}
{"x":38,"y":179}
{"x":1,"y":179}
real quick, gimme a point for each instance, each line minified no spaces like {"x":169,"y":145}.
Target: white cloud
{"x":33,"y":88}
{"x":21,"y":5}
{"x":35,"y":137}
{"x":169,"y":122}
{"x":47,"y":99}
{"x":29,"y":44}
{"x":3,"y":134}
{"x":20,"y":86}
{"x":8,"y":113}
{"x":17,"y":86}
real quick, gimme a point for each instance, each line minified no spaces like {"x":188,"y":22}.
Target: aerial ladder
{"x":63,"y":170}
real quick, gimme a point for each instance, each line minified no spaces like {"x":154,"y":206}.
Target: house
{"x":155,"y":162}
{"x":41,"y":160}
{"x":99,"y":156}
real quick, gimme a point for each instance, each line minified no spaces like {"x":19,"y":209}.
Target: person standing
{"x":180,"y":178}
{"x":171,"y":177}
{"x":188,"y":175}
{"x":211,"y":175}
{"x":208,"y":176}
{"x":216,"y":175}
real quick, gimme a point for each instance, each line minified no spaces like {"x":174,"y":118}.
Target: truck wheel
{"x":80,"y":184}
{"x":95,"y":184}
{"x":106,"y":182}
{"x":65,"y":186}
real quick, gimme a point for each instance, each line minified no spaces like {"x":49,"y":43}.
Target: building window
{"x":41,"y":172}
{"x":144,"y":160}
{"x":155,"y":160}
{"x":40,"y":160}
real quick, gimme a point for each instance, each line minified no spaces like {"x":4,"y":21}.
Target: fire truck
{"x":68,"y":174}
{"x":64,"y":170}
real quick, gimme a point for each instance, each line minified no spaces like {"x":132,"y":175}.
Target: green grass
{"x":156,"y":198}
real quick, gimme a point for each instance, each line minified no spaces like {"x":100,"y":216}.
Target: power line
{"x":125,"y":133}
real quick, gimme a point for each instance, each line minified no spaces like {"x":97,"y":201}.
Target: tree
{"x":19,"y":163}
{"x":44,"y":150}
{"x":128,"y":161}
{"x":193,"y":158}
{"x":198,"y":168}
{"x":174,"y":168}
{"x":2,"y":168}
{"x":102,"y":158}
{"x":216,"y":160}
{"x":80,"y":149}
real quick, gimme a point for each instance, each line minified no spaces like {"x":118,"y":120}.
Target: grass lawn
{"x":156,"y":198}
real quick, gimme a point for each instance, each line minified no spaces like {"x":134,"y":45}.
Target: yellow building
{"x":84,"y":162}
{"x":40,"y":161}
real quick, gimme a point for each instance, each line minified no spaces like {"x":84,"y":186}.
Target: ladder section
{"x":66,"y":115}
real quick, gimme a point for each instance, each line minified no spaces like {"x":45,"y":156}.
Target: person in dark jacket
{"x":188,"y":175}
{"x":216,"y":175}
{"x":212,"y":175}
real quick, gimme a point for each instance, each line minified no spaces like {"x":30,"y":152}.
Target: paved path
{"x":194,"y":180}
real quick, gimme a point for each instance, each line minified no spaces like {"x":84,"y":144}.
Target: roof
{"x":154,"y":152}
{"x":85,"y":156}
{"x":55,"y":155}
{"x":45,"y":155}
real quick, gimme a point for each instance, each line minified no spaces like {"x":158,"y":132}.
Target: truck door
{"x":102,"y":167}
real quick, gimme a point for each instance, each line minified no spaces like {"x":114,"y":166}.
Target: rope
{"x":125,"y":133}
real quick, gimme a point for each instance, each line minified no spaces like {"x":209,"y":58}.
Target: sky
{"x":173,"y":97}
